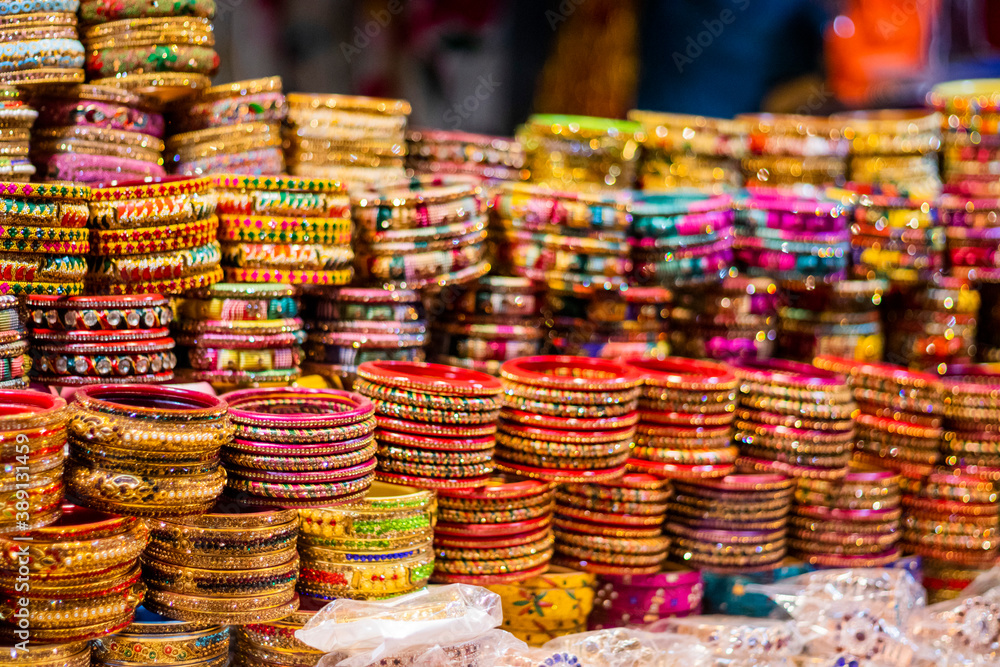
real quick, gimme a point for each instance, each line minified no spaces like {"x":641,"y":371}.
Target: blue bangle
{"x":35,"y":6}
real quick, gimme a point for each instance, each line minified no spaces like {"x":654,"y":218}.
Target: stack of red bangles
{"x":567,"y":419}
{"x":895,"y":237}
{"x":613,"y":527}
{"x":353,"y":325}
{"x":83,"y":340}
{"x":852,"y":522}
{"x":933,"y":324}
{"x":296,"y":447}
{"x":14,"y":359}
{"x":791,"y":150}
{"x":972,"y":227}
{"x":686,"y":408}
{"x":497,"y":533}
{"x":436,"y":423}
{"x":630,"y":600}
{"x":793,"y":419}
{"x":733,"y":524}
{"x":841,"y":320}
{"x":451,"y":152}
{"x":242,"y":335}
{"x":97,"y":134}
{"x":970,"y":124}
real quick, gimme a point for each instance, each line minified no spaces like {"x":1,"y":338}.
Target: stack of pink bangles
{"x":298,"y":447}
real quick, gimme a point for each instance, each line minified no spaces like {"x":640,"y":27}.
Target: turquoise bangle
{"x":36,"y":6}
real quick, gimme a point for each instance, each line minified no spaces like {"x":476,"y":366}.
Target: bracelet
{"x":365,"y":580}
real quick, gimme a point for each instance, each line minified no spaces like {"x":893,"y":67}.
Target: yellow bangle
{"x":365,"y":581}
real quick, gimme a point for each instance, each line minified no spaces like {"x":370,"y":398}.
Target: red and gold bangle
{"x":495,"y":516}
{"x":609,"y":493}
{"x":563,"y":396}
{"x":604,"y":470}
{"x":303,"y":463}
{"x":170,"y":286}
{"x":429,"y":482}
{"x":676,"y":373}
{"x":571,"y":437}
{"x":605,"y":530}
{"x":803,"y":460}
{"x":435,"y":443}
{"x":612,"y":557}
{"x":791,"y":470}
{"x":289,"y":493}
{"x":437,"y":470}
{"x":499,"y":553}
{"x":611,"y":506}
{"x":568,"y":410}
{"x":567,"y":450}
{"x":149,"y":246}
{"x":696,"y":457}
{"x":818,"y":440}
{"x":485,"y":506}
{"x":442,"y":458}
{"x":412,"y":413}
{"x":424,"y":398}
{"x":290,"y":277}
{"x":297,"y":237}
{"x":682,"y":443}
{"x":431,"y":378}
{"x":573,"y":373}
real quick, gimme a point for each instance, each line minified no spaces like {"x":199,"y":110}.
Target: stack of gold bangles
{"x":788,"y":150}
{"x":223,"y":568}
{"x":285,"y":230}
{"x":242,"y":335}
{"x":155,"y":639}
{"x":374,"y":548}
{"x":147,"y":450}
{"x":41,"y":44}
{"x":358,"y":140}
{"x":15,"y":363}
{"x":83,"y":574}
{"x":32,"y":453}
{"x":76,"y":654}
{"x":16,"y":120}
{"x":555,"y":603}
{"x":428,"y":232}
{"x":274,"y":644}
{"x":154,"y":237}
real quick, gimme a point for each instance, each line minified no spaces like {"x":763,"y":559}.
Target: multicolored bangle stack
{"x":452,"y":152}
{"x":152,"y":639}
{"x":573,"y":242}
{"x":894,"y":148}
{"x":734,"y":319}
{"x":42,"y":46}
{"x":555,"y":603}
{"x":162,"y":52}
{"x":84,"y":577}
{"x":436,"y":423}
{"x":492,"y":320}
{"x":32,"y":454}
{"x":852,"y":522}
{"x":972,"y":414}
{"x":970,"y":124}
{"x":223,"y":568}
{"x":146,"y":450}
{"x":76,"y":654}
{"x":274,"y":644}
{"x":637,"y":600}
{"x":15,"y":362}
{"x":841,"y":319}
{"x":358,"y":140}
{"x":567,"y":419}
{"x":971,"y":225}
{"x":234,"y":128}
{"x":41,"y":250}
{"x":229,"y":344}
{"x":16,"y":120}
{"x":792,"y":238}
{"x":680,"y":239}
{"x":735,"y":524}
{"x":97,"y":134}
{"x":686,"y":409}
{"x":297,"y":447}
{"x":84,"y":340}
{"x":378,"y":547}
{"x":933,"y":324}
{"x":581,"y":152}
{"x":358,"y":324}
{"x":426,"y":233}
{"x":793,"y":419}
{"x":153,"y":237}
{"x":787,"y":150}
{"x":690,"y":151}
{"x":613,"y":527}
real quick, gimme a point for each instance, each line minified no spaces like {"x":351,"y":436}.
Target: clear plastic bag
{"x":630,"y":647}
{"x":964,"y":631}
{"x":739,"y":641}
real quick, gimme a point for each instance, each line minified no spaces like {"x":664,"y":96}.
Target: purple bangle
{"x":99,"y":114}
{"x":334,"y":401}
{"x":719,"y":347}
{"x":62,"y":166}
{"x":259,"y":162}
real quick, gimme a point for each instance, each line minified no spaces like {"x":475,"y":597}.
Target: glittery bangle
{"x":365,"y":580}
{"x":223,"y":611}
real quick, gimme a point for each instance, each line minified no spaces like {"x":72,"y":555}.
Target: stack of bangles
{"x":972,"y":419}
{"x":686,"y":408}
{"x":279,"y":229}
{"x":274,"y":644}
{"x":155,"y":236}
{"x":555,"y":603}
{"x":971,"y":226}
{"x":970,"y":124}
{"x":84,"y":340}
{"x":75,"y":654}
{"x":790,"y":150}
{"x":378,"y":547}
{"x":97,"y":134}
{"x":230,"y":345}
{"x":451,"y":152}
{"x":146,"y":450}
{"x":357,"y":140}
{"x":573,"y":242}
{"x":297,"y":447}
{"x":84,"y":577}
{"x":730,"y":320}
{"x":933,"y":324}
{"x":358,"y":324}
{"x":32,"y":455}
{"x":427,"y":232}
{"x":793,"y":419}
{"x":567,"y":419}
{"x":613,"y":527}
{"x":42,"y":45}
{"x":232,"y":136}
{"x":841,"y":319}
{"x":682,"y":151}
{"x":16,"y":121}
{"x":493,"y":320}
{"x":223,"y":568}
{"x":436,"y":423}
{"x":630,"y":600}
{"x":155,"y":639}
{"x":43,"y":244}
{"x":681,"y":239}
{"x":853,"y":522}
{"x":15,"y":362}
{"x":735,"y":524}
{"x":497,"y":533}
{"x":165,"y":57}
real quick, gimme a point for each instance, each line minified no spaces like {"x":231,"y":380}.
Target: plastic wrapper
{"x":628,"y":647}
{"x":964,"y":631}
{"x":739,"y":641}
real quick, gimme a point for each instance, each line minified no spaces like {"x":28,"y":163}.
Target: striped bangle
{"x":291,"y":277}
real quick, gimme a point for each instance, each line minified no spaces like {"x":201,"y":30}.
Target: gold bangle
{"x":365,"y":581}
{"x":61,"y":558}
{"x":164,"y":643}
{"x":238,"y":582}
{"x":233,"y":611}
{"x":65,"y":614}
{"x":144,"y":496}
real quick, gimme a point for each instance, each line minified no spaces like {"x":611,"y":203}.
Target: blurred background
{"x":484,"y":66}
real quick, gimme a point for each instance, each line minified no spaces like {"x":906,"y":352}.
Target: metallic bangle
{"x":365,"y":580}
{"x":240,"y":610}
{"x":159,"y":496}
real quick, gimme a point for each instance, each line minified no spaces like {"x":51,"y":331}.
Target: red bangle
{"x":685,"y":374}
{"x":500,"y":487}
{"x":430,"y":378}
{"x":566,"y":372}
{"x":327,"y":408}
{"x":787,"y":373}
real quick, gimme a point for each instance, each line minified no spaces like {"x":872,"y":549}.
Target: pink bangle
{"x":311,"y":449}
{"x":667,"y":579}
{"x":250,"y":407}
{"x":305,"y":477}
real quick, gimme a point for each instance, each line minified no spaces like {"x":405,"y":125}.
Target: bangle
{"x":411,"y":413}
{"x":557,"y":396}
{"x":100,"y":488}
{"x":419,"y":397}
{"x":365,"y":580}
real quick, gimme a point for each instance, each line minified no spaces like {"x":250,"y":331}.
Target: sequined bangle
{"x":365,"y":580}
{"x":542,"y":447}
